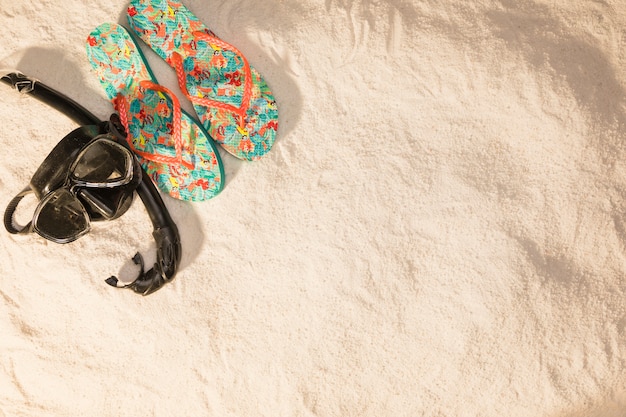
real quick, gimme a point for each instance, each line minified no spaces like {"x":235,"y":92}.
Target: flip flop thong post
{"x":231,"y":99}
{"x":173,"y":148}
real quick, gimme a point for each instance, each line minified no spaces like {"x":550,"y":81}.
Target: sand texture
{"x":439,"y":230}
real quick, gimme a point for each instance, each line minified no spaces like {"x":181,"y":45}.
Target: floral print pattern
{"x":122,"y":71}
{"x":213,"y":73}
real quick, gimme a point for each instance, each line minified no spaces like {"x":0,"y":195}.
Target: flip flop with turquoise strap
{"x":231,"y":99}
{"x":174,"y":149}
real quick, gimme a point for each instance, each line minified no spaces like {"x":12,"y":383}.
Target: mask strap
{"x":9,"y":224}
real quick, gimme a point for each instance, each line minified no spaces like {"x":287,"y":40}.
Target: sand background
{"x":439,"y":229}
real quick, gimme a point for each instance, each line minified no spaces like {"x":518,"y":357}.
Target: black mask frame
{"x":164,"y":232}
{"x":83,"y":179}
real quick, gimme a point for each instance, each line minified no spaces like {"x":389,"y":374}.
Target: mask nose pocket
{"x":106,"y":203}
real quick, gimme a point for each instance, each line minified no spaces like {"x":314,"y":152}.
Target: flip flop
{"x":231,"y":99}
{"x":172,"y":147}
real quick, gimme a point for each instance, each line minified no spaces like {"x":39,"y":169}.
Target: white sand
{"x":439,"y":230}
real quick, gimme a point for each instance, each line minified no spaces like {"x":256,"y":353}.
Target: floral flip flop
{"x":173,"y":148}
{"x":231,"y":99}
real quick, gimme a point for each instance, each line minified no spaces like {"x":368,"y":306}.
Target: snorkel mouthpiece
{"x":168,"y":257}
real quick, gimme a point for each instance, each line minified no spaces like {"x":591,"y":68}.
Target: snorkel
{"x":97,"y":199}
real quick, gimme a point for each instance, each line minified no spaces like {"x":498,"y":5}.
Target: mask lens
{"x":60,"y":217}
{"x":103,"y":162}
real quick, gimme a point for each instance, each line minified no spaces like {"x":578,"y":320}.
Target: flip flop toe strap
{"x":122,"y":107}
{"x":240,"y":110}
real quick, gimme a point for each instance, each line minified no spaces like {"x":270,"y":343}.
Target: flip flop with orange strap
{"x":231,"y":99}
{"x":173,"y":148}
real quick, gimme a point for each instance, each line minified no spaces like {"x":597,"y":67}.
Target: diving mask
{"x":91,"y":175}
{"x":87,"y":176}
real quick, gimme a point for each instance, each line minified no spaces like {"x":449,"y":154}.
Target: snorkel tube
{"x":165,"y":232}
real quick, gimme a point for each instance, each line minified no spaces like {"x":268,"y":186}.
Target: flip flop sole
{"x":121,"y":69}
{"x":238,"y":108}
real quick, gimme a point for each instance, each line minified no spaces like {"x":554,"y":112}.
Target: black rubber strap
{"x":8,"y":214}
